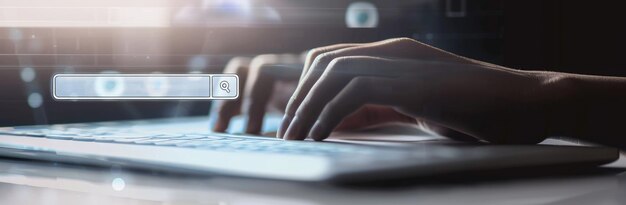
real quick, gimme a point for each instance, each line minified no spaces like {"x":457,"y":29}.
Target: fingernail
{"x":293,"y":130}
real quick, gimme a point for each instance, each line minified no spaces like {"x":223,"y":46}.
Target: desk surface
{"x":28,"y":182}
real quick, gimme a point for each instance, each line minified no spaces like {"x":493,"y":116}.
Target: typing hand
{"x":456,"y":95}
{"x":267,"y":83}
{"x":269,"y":80}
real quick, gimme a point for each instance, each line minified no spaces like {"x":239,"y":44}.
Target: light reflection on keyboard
{"x":212,"y":141}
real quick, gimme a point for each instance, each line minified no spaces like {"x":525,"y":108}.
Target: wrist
{"x":564,"y":106}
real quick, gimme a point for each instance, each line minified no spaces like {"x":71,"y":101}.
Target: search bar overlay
{"x":145,"y":86}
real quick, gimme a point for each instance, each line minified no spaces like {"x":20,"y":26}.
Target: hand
{"x":269,"y":82}
{"x":465,"y":96}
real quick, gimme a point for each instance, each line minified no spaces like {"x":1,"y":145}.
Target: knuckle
{"x":313,"y":53}
{"x":365,"y":83}
{"x":340,"y":60}
{"x":290,"y":109}
{"x":237,"y":65}
{"x":362,"y":81}
{"x":341,"y":63}
{"x":360,"y":84}
{"x":238,"y":60}
{"x":324,"y":58}
{"x":403,"y":40}
{"x":333,"y":107}
{"x":301,"y":114}
{"x":260,"y":60}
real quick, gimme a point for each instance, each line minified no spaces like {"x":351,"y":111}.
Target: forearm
{"x":592,"y":108}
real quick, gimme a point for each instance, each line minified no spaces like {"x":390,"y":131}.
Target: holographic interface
{"x":145,"y":86}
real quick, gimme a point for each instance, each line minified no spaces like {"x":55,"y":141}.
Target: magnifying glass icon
{"x":225,"y":86}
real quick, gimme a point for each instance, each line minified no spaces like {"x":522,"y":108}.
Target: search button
{"x":225,"y":86}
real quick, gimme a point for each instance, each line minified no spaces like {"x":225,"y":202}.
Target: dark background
{"x":569,"y":36}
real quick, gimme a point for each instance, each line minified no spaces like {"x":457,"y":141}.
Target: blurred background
{"x":39,"y":38}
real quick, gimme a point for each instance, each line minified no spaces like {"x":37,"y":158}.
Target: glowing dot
{"x":362,"y":18}
{"x":35,"y":100}
{"x":109,"y":86}
{"x":362,"y":15}
{"x":33,"y":36}
{"x":27,"y":74}
{"x":118,"y":184}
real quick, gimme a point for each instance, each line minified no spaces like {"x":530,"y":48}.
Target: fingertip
{"x":319,"y":139}
{"x":292,"y":130}
{"x":317,"y":131}
{"x":253,"y":126}
{"x":219,"y":127}
{"x":283,"y":126}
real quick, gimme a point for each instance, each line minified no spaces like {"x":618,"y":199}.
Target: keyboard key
{"x":84,"y":138}
{"x":35,"y":134}
{"x":166,"y":136}
{"x":119,"y":136}
{"x":106,"y":138}
{"x":196,"y":143}
{"x":130,"y":140}
{"x":171,"y":142}
{"x":204,"y":136}
{"x":149,"y":141}
{"x":190,"y":137}
{"x":210,"y":141}
{"x":60,"y":136}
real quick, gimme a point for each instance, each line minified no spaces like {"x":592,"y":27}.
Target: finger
{"x":225,"y":110}
{"x":445,"y":131}
{"x":382,"y":49}
{"x":308,"y":59}
{"x":405,"y":46}
{"x":335,"y":78}
{"x":312,"y":54}
{"x":360,"y":91}
{"x":259,"y":86}
{"x":402,"y":76}
{"x":392,"y":47}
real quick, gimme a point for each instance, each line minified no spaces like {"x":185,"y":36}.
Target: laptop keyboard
{"x":212,"y":141}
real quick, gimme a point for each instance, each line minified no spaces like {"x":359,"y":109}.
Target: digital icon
{"x":362,"y":15}
{"x":109,"y":86}
{"x":224,"y":86}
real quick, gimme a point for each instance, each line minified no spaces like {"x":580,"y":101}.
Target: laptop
{"x":184,"y":145}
